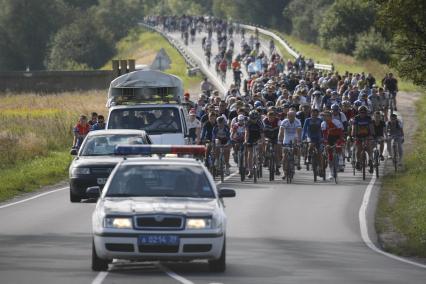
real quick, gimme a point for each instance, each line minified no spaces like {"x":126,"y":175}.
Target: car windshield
{"x":102,"y":145}
{"x":152,"y":120}
{"x":160,"y":181}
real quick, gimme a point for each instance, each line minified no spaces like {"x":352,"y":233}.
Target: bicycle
{"x":255,"y":161}
{"x":289,"y":158}
{"x":304,"y":153}
{"x":334,"y":160}
{"x":316,"y":162}
{"x":241,"y":161}
{"x":210,"y":159}
{"x":376,"y":157}
{"x":220,"y":160}
{"x":270,"y":158}
{"x":363,"y":142}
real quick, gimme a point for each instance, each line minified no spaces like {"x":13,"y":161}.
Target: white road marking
{"x":32,"y":197}
{"x":173,"y":275}
{"x":364,"y":228}
{"x":100,"y":277}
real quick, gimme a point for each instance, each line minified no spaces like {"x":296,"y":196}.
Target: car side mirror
{"x":226,"y":192}
{"x":73,"y":152}
{"x":93,"y":192}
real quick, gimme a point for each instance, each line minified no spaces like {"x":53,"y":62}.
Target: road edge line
{"x":173,"y":275}
{"x":100,"y":277}
{"x":363,"y":223}
{"x":32,"y":197}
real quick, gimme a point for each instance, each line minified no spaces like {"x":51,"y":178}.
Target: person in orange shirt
{"x":80,"y":131}
{"x":332,"y":130}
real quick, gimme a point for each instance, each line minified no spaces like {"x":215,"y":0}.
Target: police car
{"x":96,"y":158}
{"x":159,"y":209}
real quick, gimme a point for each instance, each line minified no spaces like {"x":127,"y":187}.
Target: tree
{"x":372,"y":45}
{"x":343,"y":21}
{"x":26,"y":27}
{"x":305,"y":18}
{"x":79,"y":45}
{"x":405,"y":20}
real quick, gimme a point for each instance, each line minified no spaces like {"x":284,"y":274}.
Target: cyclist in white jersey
{"x":290,"y":132}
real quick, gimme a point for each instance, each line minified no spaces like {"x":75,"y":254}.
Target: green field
{"x":36,"y":130}
{"x":401,"y":210}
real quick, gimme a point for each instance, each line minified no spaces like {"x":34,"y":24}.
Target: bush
{"x":372,"y":45}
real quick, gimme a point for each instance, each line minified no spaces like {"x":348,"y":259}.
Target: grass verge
{"x":26,"y":177}
{"x":343,"y":62}
{"x":400,"y":220}
{"x":143,"y":45}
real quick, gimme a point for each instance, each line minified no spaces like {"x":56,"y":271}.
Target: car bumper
{"x":191,"y":246}
{"x":78,"y":185}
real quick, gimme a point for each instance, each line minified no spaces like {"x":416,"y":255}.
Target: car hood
{"x":158,"y":205}
{"x":97,"y":161}
{"x":168,"y":139}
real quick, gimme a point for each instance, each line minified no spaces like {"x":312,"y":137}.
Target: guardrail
{"x":190,"y":59}
{"x":286,"y":45}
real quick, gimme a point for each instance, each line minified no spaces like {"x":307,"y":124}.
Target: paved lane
{"x":277,"y":233}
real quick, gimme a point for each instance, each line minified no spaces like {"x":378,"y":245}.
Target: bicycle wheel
{"x":364,"y":161}
{"x":376,"y":162}
{"x":353,"y":162}
{"x":271,"y":165}
{"x":260,"y":168}
{"x":254,"y":174}
{"x":315,"y":166}
{"x":395,"y":156}
{"x":335,"y":166}
{"x":222,"y":168}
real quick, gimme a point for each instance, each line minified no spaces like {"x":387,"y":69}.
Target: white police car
{"x":159,"y":209}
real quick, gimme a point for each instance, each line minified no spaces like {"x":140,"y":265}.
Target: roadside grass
{"x":401,"y":210}
{"x":36,"y":135}
{"x":343,"y":62}
{"x":143,"y":45}
{"x":36,"y":130}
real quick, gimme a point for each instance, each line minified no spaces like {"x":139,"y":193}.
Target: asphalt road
{"x":277,"y":233}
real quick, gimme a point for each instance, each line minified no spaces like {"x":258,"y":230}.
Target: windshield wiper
{"x":120,"y":195}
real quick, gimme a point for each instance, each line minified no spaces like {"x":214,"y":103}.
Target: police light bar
{"x":124,"y":150}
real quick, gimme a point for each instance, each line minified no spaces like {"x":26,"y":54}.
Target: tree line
{"x":81,"y":34}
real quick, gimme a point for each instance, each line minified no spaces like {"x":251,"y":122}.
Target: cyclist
{"x":223,"y":65}
{"x":207,"y":132}
{"x":290,"y":133}
{"x":254,"y":134}
{"x":222,"y":135}
{"x":332,"y":130}
{"x":312,"y":132}
{"x":194,"y":127}
{"x":362,"y":129}
{"x":80,"y":131}
{"x":238,"y":131}
{"x":271,"y":129}
{"x":394,"y":129}
{"x":391,"y":85}
{"x":94,"y":119}
{"x":379,"y":131}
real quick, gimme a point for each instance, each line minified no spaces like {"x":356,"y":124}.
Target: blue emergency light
{"x":124,"y":150}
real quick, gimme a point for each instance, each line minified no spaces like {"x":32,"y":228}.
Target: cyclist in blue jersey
{"x":312,"y":132}
{"x":221,"y":135}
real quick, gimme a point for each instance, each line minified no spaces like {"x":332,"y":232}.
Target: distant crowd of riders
{"x":277,"y":112}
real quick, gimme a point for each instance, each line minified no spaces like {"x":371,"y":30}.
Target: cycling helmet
{"x":270,"y":103}
{"x":261,"y":110}
{"x":317,"y":93}
{"x":346,"y":103}
{"x":357,"y":104}
{"x":254,"y":114}
{"x":220,"y":120}
{"x":258,"y":104}
{"x":335,"y":107}
{"x":362,"y":108}
{"x":241,"y":117}
{"x":286,"y":105}
{"x":272,"y":108}
{"x":280,"y":110}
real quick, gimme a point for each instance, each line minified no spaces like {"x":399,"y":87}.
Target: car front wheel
{"x":74,"y":198}
{"x":98,"y":264}
{"x":219,"y":265}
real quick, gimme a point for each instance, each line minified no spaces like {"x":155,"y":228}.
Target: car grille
{"x":154,"y":222}
{"x":101,"y":170}
{"x":159,"y":249}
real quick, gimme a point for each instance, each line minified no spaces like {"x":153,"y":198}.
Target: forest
{"x":81,"y":34}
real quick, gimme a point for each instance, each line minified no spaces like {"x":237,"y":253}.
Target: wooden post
{"x":115,"y":68}
{"x":132,"y":65}
{"x":123,"y":67}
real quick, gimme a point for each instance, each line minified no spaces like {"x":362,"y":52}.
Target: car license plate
{"x":102,"y":180}
{"x":158,"y":240}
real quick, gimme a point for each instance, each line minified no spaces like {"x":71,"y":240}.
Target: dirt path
{"x":407,"y":108}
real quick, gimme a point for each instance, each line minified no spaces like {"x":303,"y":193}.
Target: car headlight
{"x":118,"y":222}
{"x":80,"y":171}
{"x":199,"y":223}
